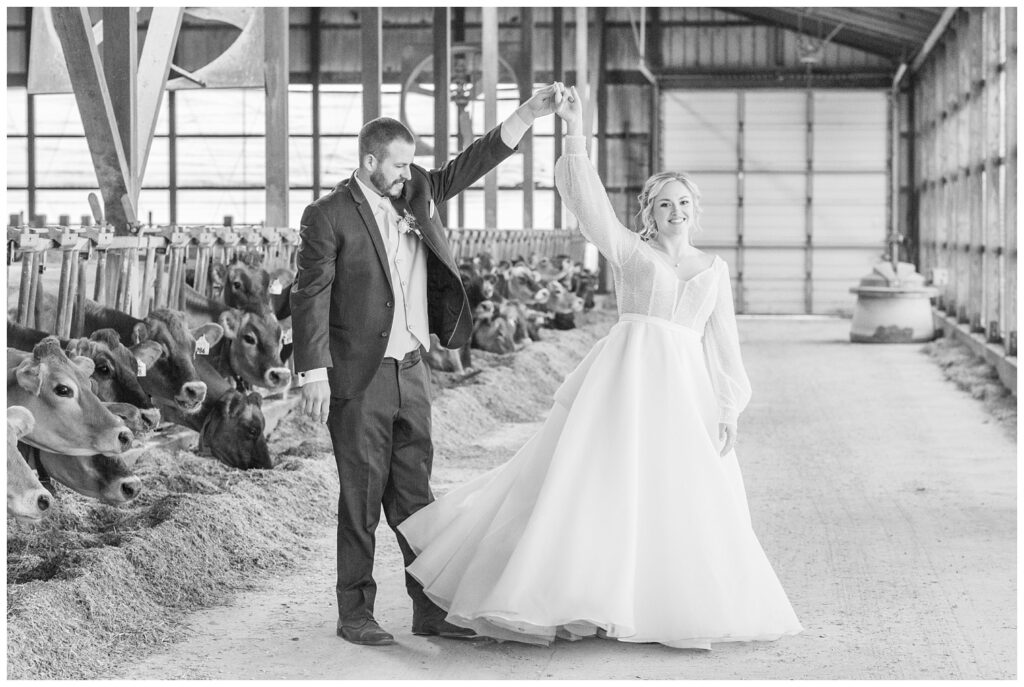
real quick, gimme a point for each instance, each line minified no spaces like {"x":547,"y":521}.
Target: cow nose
{"x":131,"y":487}
{"x":150,"y":418}
{"x":125,"y":438}
{"x":43,"y":502}
{"x":278,"y":377}
{"x":195,"y":391}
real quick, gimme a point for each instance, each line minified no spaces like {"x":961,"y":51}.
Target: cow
{"x":172,"y":375}
{"x":230,"y":423}
{"x":26,"y":497}
{"x":251,"y":347}
{"x":250,"y":350}
{"x":491,"y":331}
{"x":105,"y":478}
{"x":116,"y":369}
{"x":561,"y":305}
{"x":69,"y":418}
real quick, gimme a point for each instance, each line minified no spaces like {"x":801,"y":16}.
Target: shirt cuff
{"x":514,"y":128}
{"x":315,"y":375}
{"x":574,"y":145}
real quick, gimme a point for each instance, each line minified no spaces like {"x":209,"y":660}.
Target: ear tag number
{"x":275,"y":288}
{"x":141,"y":369}
{"x":286,"y":337}
{"x":202,"y":346}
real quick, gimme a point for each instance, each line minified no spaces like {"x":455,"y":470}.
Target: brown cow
{"x":491,"y":331}
{"x":116,"y":369}
{"x":230,"y":423}
{"x":106,"y":478}
{"x":251,"y":350}
{"x":26,"y":497}
{"x":69,"y":418}
{"x":171,"y":377}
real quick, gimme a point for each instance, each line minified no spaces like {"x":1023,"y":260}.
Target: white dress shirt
{"x":407,"y":260}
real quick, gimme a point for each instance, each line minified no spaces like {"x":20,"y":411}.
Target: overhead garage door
{"x":793,"y":185}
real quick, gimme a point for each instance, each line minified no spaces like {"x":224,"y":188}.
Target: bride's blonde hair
{"x":645,"y":224}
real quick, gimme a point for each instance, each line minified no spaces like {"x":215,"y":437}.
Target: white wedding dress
{"x":619,"y":513}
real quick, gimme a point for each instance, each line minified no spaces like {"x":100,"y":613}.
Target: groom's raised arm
{"x":486,"y":152}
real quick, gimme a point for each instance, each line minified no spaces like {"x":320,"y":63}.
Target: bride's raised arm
{"x":586,"y":198}
{"x":581,"y":188}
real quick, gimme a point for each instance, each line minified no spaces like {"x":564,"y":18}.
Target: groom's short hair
{"x":377,"y":134}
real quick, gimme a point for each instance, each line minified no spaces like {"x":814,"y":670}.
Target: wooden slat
{"x":1010,"y":201}
{"x":993,"y":264}
{"x":976,"y":159}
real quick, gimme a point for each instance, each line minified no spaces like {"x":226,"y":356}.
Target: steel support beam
{"x":372,"y":61}
{"x":489,"y":67}
{"x":442,"y":92}
{"x":120,"y":71}
{"x":85,"y":69}
{"x":558,"y":74}
{"x":275,"y":21}
{"x":525,"y":91}
{"x":157,"y":51}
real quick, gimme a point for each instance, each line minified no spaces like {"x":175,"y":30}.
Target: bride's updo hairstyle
{"x":645,"y":225}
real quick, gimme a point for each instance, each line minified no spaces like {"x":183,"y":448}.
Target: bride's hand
{"x":569,"y":106}
{"x":727,"y":434}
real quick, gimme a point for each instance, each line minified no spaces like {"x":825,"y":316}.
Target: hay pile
{"x":93,"y":584}
{"x":973,"y":375}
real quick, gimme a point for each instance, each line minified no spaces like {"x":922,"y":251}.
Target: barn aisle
{"x":884,"y":496}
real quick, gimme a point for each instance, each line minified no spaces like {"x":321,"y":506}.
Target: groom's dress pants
{"x":382,"y":445}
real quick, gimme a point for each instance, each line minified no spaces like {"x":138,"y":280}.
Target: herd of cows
{"x":77,"y":409}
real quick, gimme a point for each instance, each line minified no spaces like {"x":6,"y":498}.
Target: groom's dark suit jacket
{"x":342,"y":301}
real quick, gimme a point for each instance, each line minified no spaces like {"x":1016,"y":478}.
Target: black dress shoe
{"x":369,"y":633}
{"x":439,"y":627}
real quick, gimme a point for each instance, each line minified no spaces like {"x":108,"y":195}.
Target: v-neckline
{"x":670,"y":268}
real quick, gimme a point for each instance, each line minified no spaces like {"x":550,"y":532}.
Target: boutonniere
{"x":407,"y":223}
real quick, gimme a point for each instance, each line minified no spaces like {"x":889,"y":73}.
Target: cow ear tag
{"x":286,"y":337}
{"x":142,"y":369}
{"x":275,"y":287}
{"x":202,"y":345}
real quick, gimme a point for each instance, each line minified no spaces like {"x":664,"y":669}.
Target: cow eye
{"x":102,"y":370}
{"x":63,"y":391}
{"x":254,"y":432}
{"x":249,"y":339}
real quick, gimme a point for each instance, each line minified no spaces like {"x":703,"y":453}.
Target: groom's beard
{"x":380,"y":183}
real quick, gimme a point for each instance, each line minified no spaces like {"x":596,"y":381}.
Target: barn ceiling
{"x":896,"y":33}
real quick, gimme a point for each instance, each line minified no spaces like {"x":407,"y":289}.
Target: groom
{"x":375,"y":278}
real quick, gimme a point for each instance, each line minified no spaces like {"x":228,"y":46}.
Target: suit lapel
{"x":370,"y":222}
{"x":431,"y":238}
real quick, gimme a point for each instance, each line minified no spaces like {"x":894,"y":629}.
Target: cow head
{"x":491,"y":331}
{"x":106,"y":478}
{"x":233,"y":431}
{"x":115,"y":375}
{"x":173,"y":376}
{"x":255,"y":348}
{"x":69,"y":418}
{"x":26,"y":497}
{"x":247,"y":286}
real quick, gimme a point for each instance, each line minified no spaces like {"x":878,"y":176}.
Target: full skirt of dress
{"x":619,"y":514}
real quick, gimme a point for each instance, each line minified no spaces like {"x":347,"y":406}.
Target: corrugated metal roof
{"x":897,"y":33}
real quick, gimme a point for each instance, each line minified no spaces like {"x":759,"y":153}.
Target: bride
{"x":625,"y":516}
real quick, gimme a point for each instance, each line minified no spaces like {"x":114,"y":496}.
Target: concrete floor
{"x":884,"y":497}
